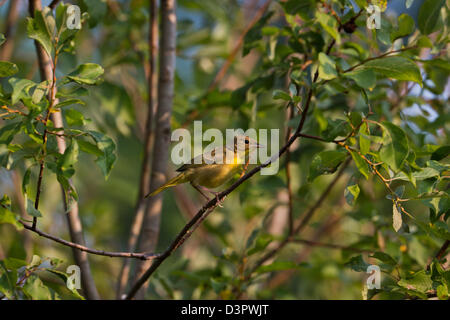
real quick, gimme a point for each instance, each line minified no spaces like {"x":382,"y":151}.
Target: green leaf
{"x":68,"y":159}
{"x":365,"y":78}
{"x":13,"y":263}
{"x":35,"y":289}
{"x":329,"y":24}
{"x":442,"y":292}
{"x":21,"y":88}
{"x":360,"y":164}
{"x":395,"y":147}
{"x":396,"y":218}
{"x":88,"y":147}
{"x":406,"y":26}
{"x":26,"y":180}
{"x":8,"y":280}
{"x":8,"y":132}
{"x":351,"y":194}
{"x":420,"y":281}
{"x":87,"y":73}
{"x":423,"y":174}
{"x":429,"y":15}
{"x":384,"y":257}
{"x":327,"y":67}
{"x":424,"y":42}
{"x":441,"y":153}
{"x":39,"y":92}
{"x":74,"y":117}
{"x":7,"y":69}
{"x":364,"y":141}
{"x":409,"y":3}
{"x":63,"y":276}
{"x":325,"y":162}
{"x":355,"y":119}
{"x":2,"y":38}
{"x":336,"y":128}
{"x":38,"y":30}
{"x":31,"y":210}
{"x":280,"y":95}
{"x":357,"y":264}
{"x":108,"y":148}
{"x":69,"y":102}
{"x":394,"y":67}
{"x":261,"y":243}
{"x":7,"y":216}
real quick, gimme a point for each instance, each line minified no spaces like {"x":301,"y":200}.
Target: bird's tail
{"x":172,"y":182}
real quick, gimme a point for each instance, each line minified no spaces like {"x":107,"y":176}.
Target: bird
{"x":210,"y":174}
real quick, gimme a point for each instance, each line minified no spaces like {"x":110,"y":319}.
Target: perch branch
{"x":140,"y":256}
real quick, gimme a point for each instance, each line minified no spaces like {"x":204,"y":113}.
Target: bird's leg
{"x":200,"y":190}
{"x":245,"y":168}
{"x":216,"y":194}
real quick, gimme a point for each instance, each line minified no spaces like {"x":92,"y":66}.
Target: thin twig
{"x":140,"y":256}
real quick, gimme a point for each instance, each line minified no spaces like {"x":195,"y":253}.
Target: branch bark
{"x":73,"y":219}
{"x":144,"y":184}
{"x":140,"y":256}
{"x":151,"y":223}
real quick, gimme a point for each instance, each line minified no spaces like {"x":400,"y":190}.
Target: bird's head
{"x":243,"y":143}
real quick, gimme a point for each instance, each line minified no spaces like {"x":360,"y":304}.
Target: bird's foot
{"x":219,"y":201}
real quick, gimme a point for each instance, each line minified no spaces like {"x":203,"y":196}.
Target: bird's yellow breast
{"x":213,"y":175}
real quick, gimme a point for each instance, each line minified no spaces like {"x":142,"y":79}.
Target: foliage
{"x":378,"y":98}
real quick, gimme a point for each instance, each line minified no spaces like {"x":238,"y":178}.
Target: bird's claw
{"x":218,"y":200}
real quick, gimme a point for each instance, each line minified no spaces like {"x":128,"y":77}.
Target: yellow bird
{"x":209,"y":173}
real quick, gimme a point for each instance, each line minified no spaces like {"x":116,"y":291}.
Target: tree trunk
{"x":160,"y":157}
{"x":144,"y":183}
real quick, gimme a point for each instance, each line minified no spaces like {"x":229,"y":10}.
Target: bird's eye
{"x":246,"y":141}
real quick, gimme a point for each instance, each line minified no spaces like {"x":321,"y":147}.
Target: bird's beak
{"x":259,"y":145}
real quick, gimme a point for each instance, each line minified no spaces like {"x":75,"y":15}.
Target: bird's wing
{"x":204,"y":159}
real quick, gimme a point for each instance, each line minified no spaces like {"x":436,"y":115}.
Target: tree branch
{"x":140,"y":256}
